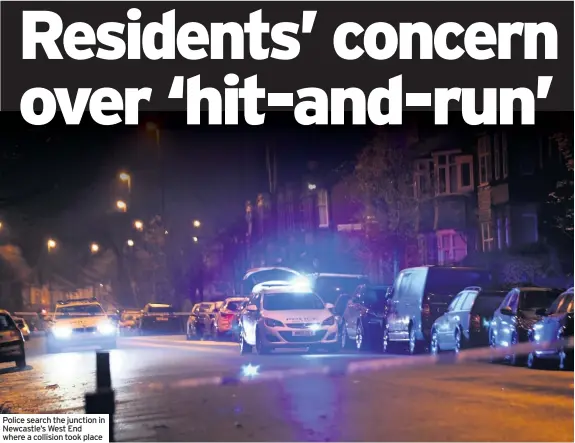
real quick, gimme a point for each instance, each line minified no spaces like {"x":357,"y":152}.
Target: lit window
{"x":487,"y":237}
{"x":322,"y":207}
{"x":484,"y":155}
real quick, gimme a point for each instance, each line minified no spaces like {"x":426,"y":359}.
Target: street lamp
{"x":126,"y":178}
{"x":197,"y":224}
{"x":195,"y":239}
{"x":311,"y":186}
{"x":130,"y":243}
{"x":139,"y":225}
{"x":94,"y":247}
{"x":121,"y":205}
{"x":51,"y":244}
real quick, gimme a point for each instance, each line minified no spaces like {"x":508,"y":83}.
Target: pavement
{"x":154,"y":379}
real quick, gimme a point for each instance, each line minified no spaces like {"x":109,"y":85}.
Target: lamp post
{"x":154,"y":129}
{"x":126,"y":178}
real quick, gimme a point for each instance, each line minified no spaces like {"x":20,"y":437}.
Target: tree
{"x":383,"y":180}
{"x":562,"y":196}
{"x":12,"y":256}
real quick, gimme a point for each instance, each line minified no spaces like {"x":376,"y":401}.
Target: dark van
{"x":420,"y":296}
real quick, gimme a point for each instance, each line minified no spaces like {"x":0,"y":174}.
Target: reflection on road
{"x":467,"y":402}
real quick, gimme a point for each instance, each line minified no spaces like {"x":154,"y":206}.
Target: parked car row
{"x":427,"y":309}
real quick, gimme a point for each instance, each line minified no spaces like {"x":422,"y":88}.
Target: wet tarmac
{"x":153,"y":378}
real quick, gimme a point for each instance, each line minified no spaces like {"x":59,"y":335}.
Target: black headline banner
{"x":316,"y":66}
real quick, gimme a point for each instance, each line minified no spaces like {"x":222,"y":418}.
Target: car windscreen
{"x":330,"y":287}
{"x":6,"y":323}
{"x":79,"y":310}
{"x":160,"y":309}
{"x":487,"y":303}
{"x":532,"y":300}
{"x":450,"y":281}
{"x":292,"y":301}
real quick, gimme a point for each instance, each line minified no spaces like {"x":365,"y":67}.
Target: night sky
{"x":57,"y":177}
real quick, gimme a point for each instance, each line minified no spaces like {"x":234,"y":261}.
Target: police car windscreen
{"x":292,"y":301}
{"x":161,"y":309}
{"x":79,"y":311}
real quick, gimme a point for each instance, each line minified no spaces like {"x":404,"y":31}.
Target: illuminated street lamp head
{"x":124,"y":176}
{"x":94,"y":247}
{"x":195,"y":239}
{"x":311,"y":186}
{"x":121,"y":205}
{"x":130,"y":243}
{"x":139,"y":225}
{"x":0,"y":225}
{"x":51,"y":244}
{"x":197,"y":224}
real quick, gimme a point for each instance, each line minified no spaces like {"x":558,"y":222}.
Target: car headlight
{"x":61,"y":331}
{"x":330,"y":321}
{"x":270,"y":322}
{"x":106,"y":328}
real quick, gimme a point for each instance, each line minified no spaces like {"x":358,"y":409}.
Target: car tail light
{"x":476,"y":321}
{"x":426,"y":309}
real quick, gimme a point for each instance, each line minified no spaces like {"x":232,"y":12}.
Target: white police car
{"x":11,"y":341}
{"x":81,"y":322}
{"x":279,"y":317}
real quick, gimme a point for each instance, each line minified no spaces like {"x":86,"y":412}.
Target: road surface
{"x":154,"y":378}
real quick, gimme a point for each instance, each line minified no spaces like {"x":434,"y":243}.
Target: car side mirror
{"x":506,"y":311}
{"x":251,"y":308}
{"x":542,"y":312}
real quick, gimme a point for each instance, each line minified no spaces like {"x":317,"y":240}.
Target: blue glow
{"x":301,"y":282}
{"x":250,"y":371}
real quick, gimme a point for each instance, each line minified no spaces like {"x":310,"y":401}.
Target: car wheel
{"x":413,"y":344}
{"x":21,"y":361}
{"x":514,"y":359}
{"x":360,"y":338}
{"x":458,"y":344}
{"x":434,"y":348}
{"x":261,"y":349}
{"x":566,"y":360}
{"x":534,"y":362}
{"x":345,"y":342}
{"x":385,"y":343}
{"x":245,"y":348}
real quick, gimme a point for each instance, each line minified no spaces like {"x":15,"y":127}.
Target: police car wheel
{"x":21,"y":361}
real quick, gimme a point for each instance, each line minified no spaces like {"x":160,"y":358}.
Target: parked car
{"x":363,"y":317}
{"x":159,"y":318}
{"x":11,"y":341}
{"x":421,"y":295}
{"x":339,"y":310}
{"x":23,"y":326}
{"x":466,"y":322}
{"x":225,"y":315}
{"x":129,"y":320}
{"x":330,"y":286}
{"x":516,"y":316}
{"x":556,"y":324}
{"x":287,"y":317}
{"x":199,"y":324}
